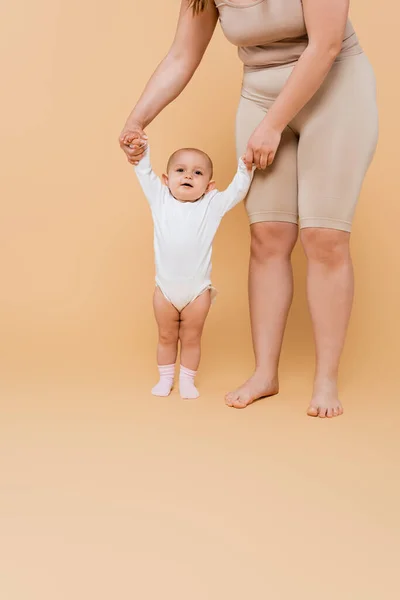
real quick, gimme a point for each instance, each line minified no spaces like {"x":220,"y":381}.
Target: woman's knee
{"x":272,"y":240}
{"x":326,"y":246}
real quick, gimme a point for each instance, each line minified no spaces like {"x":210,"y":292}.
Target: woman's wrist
{"x":133,"y":122}
{"x":272,"y":122}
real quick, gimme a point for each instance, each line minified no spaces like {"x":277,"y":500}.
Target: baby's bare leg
{"x":193,"y":317}
{"x":167,"y":318}
{"x":191,"y":327}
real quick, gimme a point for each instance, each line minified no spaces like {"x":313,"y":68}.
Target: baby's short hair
{"x":204,"y":154}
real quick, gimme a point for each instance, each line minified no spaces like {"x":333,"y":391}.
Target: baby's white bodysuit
{"x":184,"y":232}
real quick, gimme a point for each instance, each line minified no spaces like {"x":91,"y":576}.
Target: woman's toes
{"x":239,"y":402}
{"x":230,"y":398}
{"x":324,"y":413}
{"x":312,"y":411}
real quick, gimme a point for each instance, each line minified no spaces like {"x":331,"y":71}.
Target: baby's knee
{"x":189,"y":335}
{"x":168,"y":337}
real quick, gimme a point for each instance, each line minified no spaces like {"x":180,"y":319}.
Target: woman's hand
{"x":262,"y":146}
{"x":133,"y":142}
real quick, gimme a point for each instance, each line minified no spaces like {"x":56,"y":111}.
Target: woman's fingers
{"x":135,"y":154}
{"x":133,"y":150}
{"x":136,"y":140}
{"x":135,"y":147}
{"x":249,"y":158}
{"x":257,"y":158}
{"x":270,"y":159}
{"x":260,"y":158}
{"x":264,"y":143}
{"x":263,"y":161}
{"x":133,"y":141}
{"x":134,"y":159}
{"x":263,"y":158}
{"x":127,"y":137}
{"x":137,"y":144}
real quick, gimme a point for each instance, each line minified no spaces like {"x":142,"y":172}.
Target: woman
{"x":307,"y":119}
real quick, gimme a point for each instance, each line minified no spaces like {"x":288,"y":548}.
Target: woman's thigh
{"x":273,"y":193}
{"x":338,"y":134}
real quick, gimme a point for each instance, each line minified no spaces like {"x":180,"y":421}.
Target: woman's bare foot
{"x":325,"y":402}
{"x":258,"y":386}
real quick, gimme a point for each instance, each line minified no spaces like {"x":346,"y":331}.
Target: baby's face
{"x":189,"y":176}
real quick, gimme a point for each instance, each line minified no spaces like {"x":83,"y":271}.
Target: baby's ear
{"x":211,"y":186}
{"x":165,"y":179}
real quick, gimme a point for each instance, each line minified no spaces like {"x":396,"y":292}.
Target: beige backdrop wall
{"x":76,"y":258}
{"x":105,"y":491}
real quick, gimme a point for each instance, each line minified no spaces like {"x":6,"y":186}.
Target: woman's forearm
{"x":307,"y":76}
{"x":167,"y":82}
{"x":192,"y":36}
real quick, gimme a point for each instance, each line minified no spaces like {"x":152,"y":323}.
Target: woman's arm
{"x":192,"y":37}
{"x":325,"y":22}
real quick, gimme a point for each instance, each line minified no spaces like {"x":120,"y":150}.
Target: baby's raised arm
{"x":236,"y":190}
{"x":151,"y":184}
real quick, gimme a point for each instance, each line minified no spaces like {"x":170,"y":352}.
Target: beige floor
{"x":107,"y":492}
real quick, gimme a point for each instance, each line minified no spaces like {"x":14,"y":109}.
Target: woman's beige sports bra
{"x":272,"y":32}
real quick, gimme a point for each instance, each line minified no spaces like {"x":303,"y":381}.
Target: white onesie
{"x":184,"y":232}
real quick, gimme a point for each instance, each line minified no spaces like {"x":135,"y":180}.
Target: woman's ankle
{"x":267,"y":372}
{"x":326,"y":379}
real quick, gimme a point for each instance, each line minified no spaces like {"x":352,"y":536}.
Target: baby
{"x":187,"y":210}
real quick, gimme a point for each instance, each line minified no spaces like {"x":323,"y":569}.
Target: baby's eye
{"x":198,"y":173}
{"x":180,"y":170}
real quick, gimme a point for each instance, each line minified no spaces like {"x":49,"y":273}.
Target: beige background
{"x":106,"y":491}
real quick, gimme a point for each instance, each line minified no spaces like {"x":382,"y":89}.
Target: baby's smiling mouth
{"x":187,"y":185}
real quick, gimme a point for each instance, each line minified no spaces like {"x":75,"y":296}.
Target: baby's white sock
{"x":164,"y":386}
{"x":186,"y":384}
